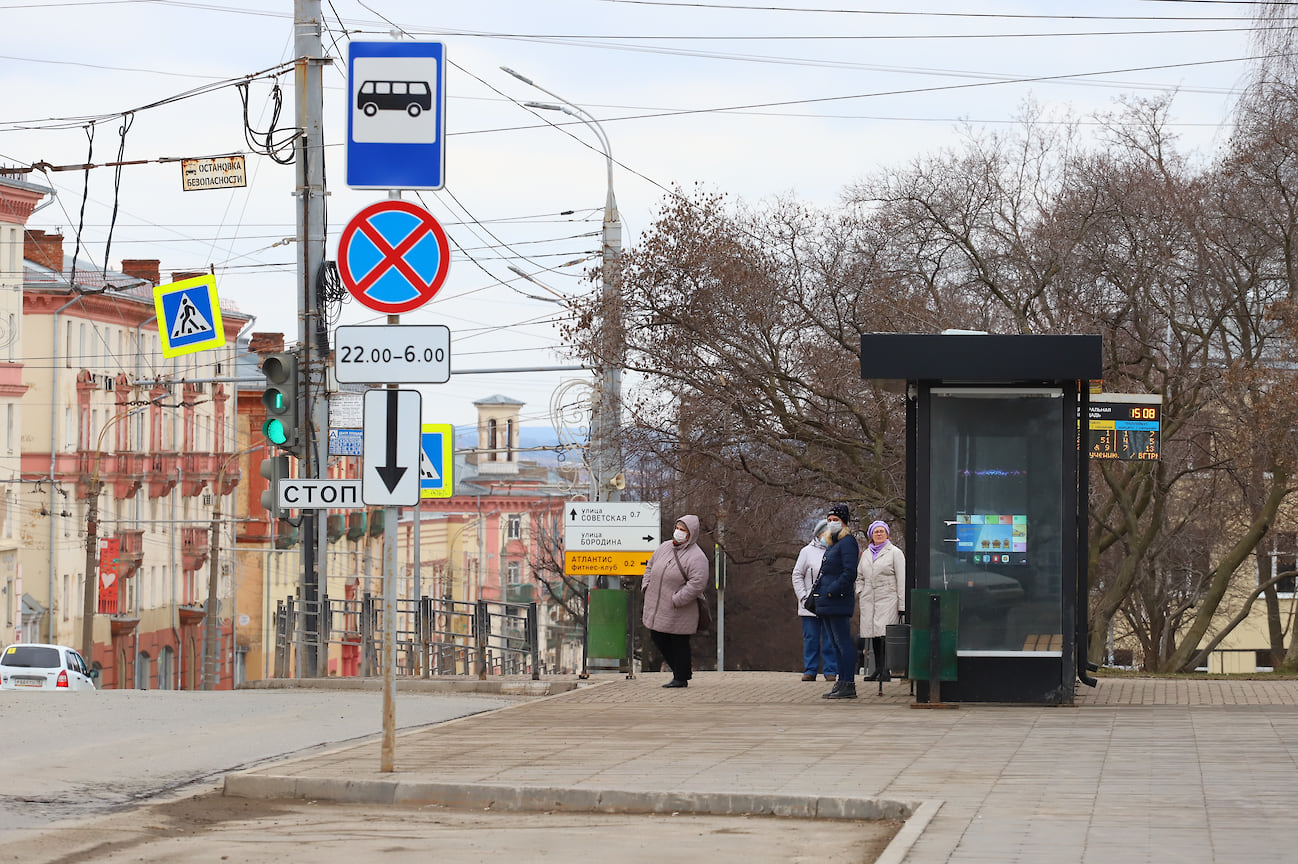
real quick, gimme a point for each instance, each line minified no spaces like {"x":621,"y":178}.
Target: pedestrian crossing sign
{"x":189,"y":316}
{"x":436,"y":461}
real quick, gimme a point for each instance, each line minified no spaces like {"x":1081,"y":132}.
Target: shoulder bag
{"x":809,"y":602}
{"x":705,"y":611}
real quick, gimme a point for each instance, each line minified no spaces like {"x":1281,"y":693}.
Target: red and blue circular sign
{"x":393,"y":256}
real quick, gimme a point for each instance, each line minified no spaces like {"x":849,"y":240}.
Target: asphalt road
{"x":76,"y":755}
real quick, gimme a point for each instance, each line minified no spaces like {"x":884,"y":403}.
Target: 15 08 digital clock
{"x":1123,"y":426}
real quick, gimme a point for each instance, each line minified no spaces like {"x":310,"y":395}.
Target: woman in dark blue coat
{"x":837,"y":597}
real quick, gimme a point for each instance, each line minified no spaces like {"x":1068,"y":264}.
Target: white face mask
{"x":832,"y":530}
{"x":680,"y":536}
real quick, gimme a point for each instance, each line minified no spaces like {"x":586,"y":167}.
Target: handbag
{"x":809,"y":602}
{"x":705,"y":611}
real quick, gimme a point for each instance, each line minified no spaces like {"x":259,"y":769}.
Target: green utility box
{"x":921,"y":632}
{"x":606,"y":624}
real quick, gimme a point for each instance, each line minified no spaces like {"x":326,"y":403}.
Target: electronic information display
{"x":992,"y":538}
{"x":1123,"y":430}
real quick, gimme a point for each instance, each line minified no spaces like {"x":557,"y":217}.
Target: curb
{"x":489,"y":687}
{"x":464,"y":796}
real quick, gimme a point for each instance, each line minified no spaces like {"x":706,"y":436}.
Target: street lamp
{"x":606,"y":462}
{"x":92,"y":536}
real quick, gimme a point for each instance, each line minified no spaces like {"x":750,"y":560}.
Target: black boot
{"x":846,"y":691}
{"x":881,"y":668}
{"x":833,"y":694}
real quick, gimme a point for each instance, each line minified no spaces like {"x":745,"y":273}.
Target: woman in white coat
{"x":881,"y":591}
{"x":817,"y":650}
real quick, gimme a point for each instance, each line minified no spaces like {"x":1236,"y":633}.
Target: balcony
{"x":336,"y":526}
{"x":163,"y":473}
{"x":195,"y":543}
{"x":123,"y":473}
{"x":198,"y":471}
{"x":131,"y":554}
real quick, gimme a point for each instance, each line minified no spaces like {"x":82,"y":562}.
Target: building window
{"x":491,"y":440}
{"x":12,"y":335}
{"x":509,"y":440}
{"x":514,"y":527}
{"x":67,"y":595}
{"x":1284,"y":559}
{"x":9,"y":427}
{"x":514,"y":572}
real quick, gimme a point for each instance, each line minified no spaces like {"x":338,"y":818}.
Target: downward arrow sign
{"x":391,"y":448}
{"x":390,"y":472}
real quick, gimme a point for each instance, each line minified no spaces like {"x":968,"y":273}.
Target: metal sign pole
{"x":389,"y":624}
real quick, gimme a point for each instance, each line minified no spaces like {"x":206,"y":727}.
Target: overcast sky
{"x":751,"y":99}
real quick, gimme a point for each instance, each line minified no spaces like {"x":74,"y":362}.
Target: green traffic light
{"x":274,"y":431}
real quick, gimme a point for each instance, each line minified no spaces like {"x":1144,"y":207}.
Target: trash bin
{"x":896,"y":649}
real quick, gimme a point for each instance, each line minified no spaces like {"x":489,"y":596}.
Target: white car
{"x":33,"y":666}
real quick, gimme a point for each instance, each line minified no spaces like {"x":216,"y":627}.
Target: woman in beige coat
{"x":676,"y":575}
{"x":881,"y":591}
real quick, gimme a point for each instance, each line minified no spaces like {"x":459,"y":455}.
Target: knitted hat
{"x":841,"y":511}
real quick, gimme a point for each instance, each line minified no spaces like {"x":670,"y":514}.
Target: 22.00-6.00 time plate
{"x":401,"y":354}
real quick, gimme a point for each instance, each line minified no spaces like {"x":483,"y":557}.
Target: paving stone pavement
{"x":1139,"y":770}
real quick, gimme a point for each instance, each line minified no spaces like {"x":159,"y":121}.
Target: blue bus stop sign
{"x":396,"y":111}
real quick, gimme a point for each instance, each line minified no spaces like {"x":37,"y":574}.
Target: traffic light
{"x":281,"y":400}
{"x":274,"y":469}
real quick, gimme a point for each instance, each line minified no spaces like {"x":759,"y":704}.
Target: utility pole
{"x":309,"y":96}
{"x":92,"y":570}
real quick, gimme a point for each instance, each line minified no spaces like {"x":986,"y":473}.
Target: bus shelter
{"x":996,"y":495}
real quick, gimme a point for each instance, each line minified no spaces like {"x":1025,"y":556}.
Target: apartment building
{"x":152,"y":440}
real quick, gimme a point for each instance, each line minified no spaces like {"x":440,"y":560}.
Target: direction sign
{"x":396,"y":111}
{"x":578,"y":514}
{"x":393,"y":256}
{"x":189,"y":316}
{"x":605,"y":563}
{"x":295,"y":494}
{"x":437,"y":461}
{"x":390,"y":461}
{"x":409,"y":354}
{"x":611,"y":538}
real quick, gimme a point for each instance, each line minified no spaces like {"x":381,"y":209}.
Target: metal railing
{"x":433,"y":637}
